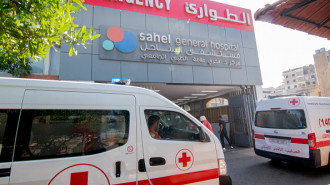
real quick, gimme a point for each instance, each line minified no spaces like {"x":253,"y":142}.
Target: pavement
{"x":236,"y":148}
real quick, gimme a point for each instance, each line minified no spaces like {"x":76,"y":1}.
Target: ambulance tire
{"x":276,"y":162}
{"x":225,"y":180}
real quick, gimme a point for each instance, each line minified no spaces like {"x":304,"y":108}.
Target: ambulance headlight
{"x":222,"y":167}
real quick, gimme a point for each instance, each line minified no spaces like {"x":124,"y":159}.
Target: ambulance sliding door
{"x":75,"y":138}
{"x":178,"y":156}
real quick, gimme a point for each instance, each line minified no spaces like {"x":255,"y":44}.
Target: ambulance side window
{"x":61,"y":133}
{"x":8,"y":125}
{"x":172,"y":126}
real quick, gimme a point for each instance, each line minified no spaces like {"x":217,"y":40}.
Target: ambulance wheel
{"x":225,"y":180}
{"x":276,"y":162}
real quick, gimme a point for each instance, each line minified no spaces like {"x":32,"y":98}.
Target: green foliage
{"x":29,"y":28}
{"x":20,"y":67}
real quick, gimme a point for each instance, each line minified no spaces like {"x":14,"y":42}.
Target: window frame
{"x":22,"y":144}
{"x":8,"y":140}
{"x":301,"y":111}
{"x":200,"y":129}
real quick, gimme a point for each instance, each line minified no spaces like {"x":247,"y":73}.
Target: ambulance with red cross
{"x":83,"y":133}
{"x":294,"y":129}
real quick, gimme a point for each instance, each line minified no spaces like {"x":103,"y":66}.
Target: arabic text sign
{"x":207,"y":12}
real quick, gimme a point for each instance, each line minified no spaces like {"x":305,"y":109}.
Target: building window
{"x":308,"y":83}
{"x":294,"y":80}
{"x":217,"y":102}
{"x":286,"y":76}
{"x":314,"y":83}
{"x":295,"y":86}
{"x":288,"y":87}
{"x":293,"y":75}
{"x":313,"y":76}
{"x":287,"y":82}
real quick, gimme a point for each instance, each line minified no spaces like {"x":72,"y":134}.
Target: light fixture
{"x":209,"y":91}
{"x":156,"y":90}
{"x":182,"y":99}
{"x":198,"y":94}
{"x":190,"y":97}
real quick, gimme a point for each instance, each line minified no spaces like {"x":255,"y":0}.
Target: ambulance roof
{"x":83,"y":87}
{"x":293,"y":102}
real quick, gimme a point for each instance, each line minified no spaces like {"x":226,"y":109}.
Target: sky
{"x":279,"y":48}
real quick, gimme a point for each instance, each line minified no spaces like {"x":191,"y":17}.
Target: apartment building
{"x":268,"y":92}
{"x":301,"y":80}
{"x":322,"y":66}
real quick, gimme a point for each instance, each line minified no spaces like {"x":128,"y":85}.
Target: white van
{"x":294,"y":129}
{"x":78,"y":133}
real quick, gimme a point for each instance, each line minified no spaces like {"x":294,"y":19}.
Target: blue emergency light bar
{"x":121,"y":81}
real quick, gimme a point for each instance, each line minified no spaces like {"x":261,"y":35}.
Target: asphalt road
{"x":246,"y":168}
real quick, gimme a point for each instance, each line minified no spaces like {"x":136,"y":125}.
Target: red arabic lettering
{"x":266,"y":147}
{"x":324,"y":121}
{"x":325,"y":135}
{"x":278,"y":149}
{"x":291,"y":151}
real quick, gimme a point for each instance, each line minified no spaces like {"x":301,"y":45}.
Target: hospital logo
{"x":123,"y":41}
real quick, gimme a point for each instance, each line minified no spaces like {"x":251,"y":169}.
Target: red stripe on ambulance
{"x":259,"y":136}
{"x":323,"y":143}
{"x":299,"y":141}
{"x":293,"y":140}
{"x":180,"y":179}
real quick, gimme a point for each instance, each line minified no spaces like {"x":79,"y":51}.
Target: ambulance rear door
{"x":281,"y":126}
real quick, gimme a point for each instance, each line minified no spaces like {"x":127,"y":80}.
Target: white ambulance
{"x":294,"y":129}
{"x":79,"y":133}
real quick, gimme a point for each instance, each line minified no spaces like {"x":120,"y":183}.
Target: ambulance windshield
{"x":281,"y":119}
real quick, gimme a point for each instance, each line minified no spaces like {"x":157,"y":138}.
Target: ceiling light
{"x":156,"y":90}
{"x":190,"y":97}
{"x":209,"y":91}
{"x":198,"y":94}
{"x":182,"y":99}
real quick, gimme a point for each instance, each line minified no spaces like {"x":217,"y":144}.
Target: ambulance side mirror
{"x":203,"y":137}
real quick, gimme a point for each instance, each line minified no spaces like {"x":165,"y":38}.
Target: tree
{"x":29,"y":28}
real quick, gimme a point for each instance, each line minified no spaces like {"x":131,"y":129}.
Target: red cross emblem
{"x":79,"y":178}
{"x":184,"y":159}
{"x":294,"y":102}
{"x":80,"y":174}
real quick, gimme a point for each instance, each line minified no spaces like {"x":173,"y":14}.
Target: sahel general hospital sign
{"x":207,"y":12}
{"x":155,"y":47}
{"x":133,"y":45}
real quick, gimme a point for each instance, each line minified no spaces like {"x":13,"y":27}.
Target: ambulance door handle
{"x":118,"y":171}
{"x":156,"y":161}
{"x":5,"y":172}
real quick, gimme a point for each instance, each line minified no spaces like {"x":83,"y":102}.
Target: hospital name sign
{"x":207,"y":12}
